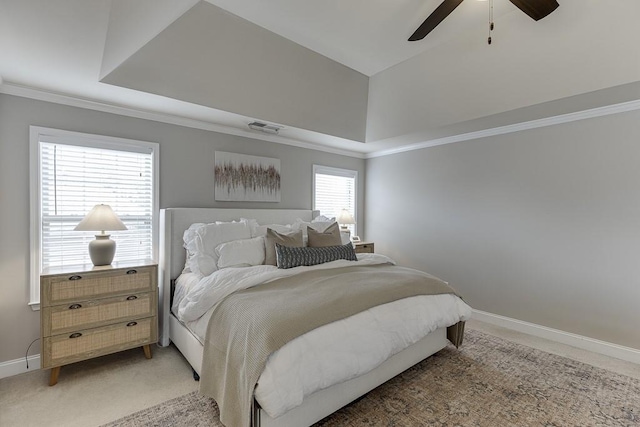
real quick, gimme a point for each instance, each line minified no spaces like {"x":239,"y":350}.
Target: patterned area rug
{"x":488,"y":382}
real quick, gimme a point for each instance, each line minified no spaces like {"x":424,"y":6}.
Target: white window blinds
{"x":73,"y":179}
{"x":334,"y":190}
{"x":72,"y":172}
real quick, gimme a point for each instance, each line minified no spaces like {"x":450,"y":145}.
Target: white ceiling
{"x":54,"y":49}
{"x":366,"y":35}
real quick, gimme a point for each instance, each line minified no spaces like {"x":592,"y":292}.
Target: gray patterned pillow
{"x":289,"y":257}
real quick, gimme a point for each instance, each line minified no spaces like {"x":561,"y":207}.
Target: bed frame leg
{"x":196,"y":377}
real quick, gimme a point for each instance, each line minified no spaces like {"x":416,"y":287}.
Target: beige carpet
{"x":488,"y":382}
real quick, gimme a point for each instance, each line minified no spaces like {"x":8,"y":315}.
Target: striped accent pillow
{"x":289,"y":257}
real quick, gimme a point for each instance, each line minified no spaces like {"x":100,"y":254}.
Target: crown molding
{"x":139,"y":113}
{"x":517,"y":127}
{"x":73,"y":101}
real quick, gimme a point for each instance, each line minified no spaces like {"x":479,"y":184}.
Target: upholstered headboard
{"x":173,"y":223}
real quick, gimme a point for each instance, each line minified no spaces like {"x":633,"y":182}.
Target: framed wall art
{"x":244,"y":178}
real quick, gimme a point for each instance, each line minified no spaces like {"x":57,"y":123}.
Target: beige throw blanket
{"x":251,"y":324}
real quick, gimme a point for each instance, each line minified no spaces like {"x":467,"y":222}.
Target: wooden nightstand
{"x":364,"y":247}
{"x":90,"y":311}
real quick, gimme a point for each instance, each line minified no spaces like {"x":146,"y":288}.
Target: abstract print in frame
{"x":243,"y":178}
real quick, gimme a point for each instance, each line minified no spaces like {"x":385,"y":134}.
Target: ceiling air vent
{"x":264,"y":127}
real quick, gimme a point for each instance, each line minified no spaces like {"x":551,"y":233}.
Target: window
{"x":73,"y":172}
{"x":333,"y":190}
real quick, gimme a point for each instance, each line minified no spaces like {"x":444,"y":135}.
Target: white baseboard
{"x":19,"y":366}
{"x":579,"y":341}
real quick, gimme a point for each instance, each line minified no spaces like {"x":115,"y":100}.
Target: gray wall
{"x":186,"y":180}
{"x":541,"y":225}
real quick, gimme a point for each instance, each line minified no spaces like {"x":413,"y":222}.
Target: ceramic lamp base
{"x":102,"y":250}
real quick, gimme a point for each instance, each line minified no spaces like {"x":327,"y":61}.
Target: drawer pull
{"x":131,"y":298}
{"x":75,"y":277}
{"x":75,"y":335}
{"x":132,"y":271}
{"x":132,"y":323}
{"x":75,"y":306}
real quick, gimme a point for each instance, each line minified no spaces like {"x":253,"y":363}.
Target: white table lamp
{"x":345,"y":218}
{"x":101,"y":218}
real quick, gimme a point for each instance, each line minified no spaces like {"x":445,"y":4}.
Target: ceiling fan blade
{"x":436,"y":17}
{"x":536,"y":9}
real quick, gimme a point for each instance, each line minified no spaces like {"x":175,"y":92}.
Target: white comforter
{"x":327,"y":355}
{"x":210,"y":290}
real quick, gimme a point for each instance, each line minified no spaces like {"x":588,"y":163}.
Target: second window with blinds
{"x":334,"y":189}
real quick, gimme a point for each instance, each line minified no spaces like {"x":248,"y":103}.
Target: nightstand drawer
{"x":364,"y":248}
{"x":89,"y":311}
{"x":89,"y":285}
{"x":90,"y":314}
{"x":83,"y":344}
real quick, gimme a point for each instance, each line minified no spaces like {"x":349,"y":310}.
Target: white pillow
{"x":322,"y":218}
{"x":261,"y":230}
{"x":253,"y":225}
{"x":189,"y":243}
{"x":241,"y":253}
{"x":205,"y":260}
{"x":189,"y":235}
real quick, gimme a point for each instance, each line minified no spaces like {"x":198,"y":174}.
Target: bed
{"x":326,"y":400}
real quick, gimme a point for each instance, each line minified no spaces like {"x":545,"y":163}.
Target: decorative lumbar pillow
{"x":293,"y":239}
{"x":289,"y":257}
{"x":328,"y":237}
{"x":241,"y":253}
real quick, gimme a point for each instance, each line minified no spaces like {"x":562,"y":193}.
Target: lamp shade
{"x":345,"y":218}
{"x":100,"y":218}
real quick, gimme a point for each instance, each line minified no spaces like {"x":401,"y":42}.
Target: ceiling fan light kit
{"x":536,"y":9}
{"x":491,"y":26}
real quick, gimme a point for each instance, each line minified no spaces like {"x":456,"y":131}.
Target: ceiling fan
{"x":536,"y":9}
